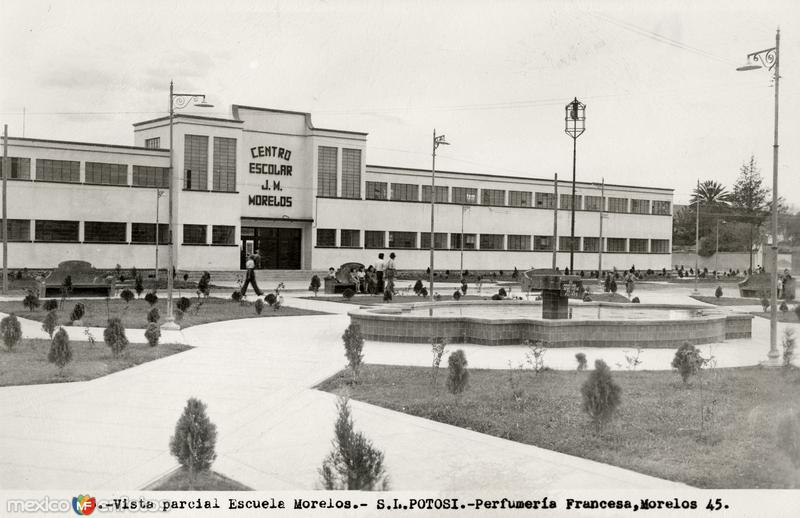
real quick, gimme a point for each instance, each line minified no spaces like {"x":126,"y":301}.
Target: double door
{"x":279,"y":248}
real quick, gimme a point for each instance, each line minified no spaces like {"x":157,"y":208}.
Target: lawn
{"x":134,"y":315}
{"x":657,"y":429}
{"x":178,"y":480}
{"x":27,"y":363}
{"x":372,"y":300}
{"x":727,"y":301}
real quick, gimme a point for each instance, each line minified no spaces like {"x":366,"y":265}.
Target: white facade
{"x":268,"y":180}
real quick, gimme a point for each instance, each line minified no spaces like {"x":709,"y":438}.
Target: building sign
{"x":273,"y":164}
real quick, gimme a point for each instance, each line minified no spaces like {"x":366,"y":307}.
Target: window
{"x":351,"y":173}
{"x":639,"y":245}
{"x":659,"y":246}
{"x":591,"y":244}
{"x":493,"y":197}
{"x":402,"y":239}
{"x":374,"y":239}
{"x":20,"y":168}
{"x":106,"y":174}
{"x":152,"y":143}
{"x":104,"y":232}
{"x":195,"y":163}
{"x":376,"y":191}
{"x":326,"y":237}
{"x":351,"y":238}
{"x":49,"y":230}
{"x":439,"y":240}
{"x":146,"y":176}
{"x":327,"y":157}
{"x":465,"y":195}
{"x":661,"y":207}
{"x":545,"y":200}
{"x":566,"y":201}
{"x":194,"y":234}
{"x":616,"y":244}
{"x":58,"y":170}
{"x":405,"y":192}
{"x":640,"y":206}
{"x":223,"y":235}
{"x":441,"y":193}
{"x":224,"y":164}
{"x":146,"y":233}
{"x":593,"y":203}
{"x":469,"y":241}
{"x":563,"y":243}
{"x":491,"y":241}
{"x":18,"y":230}
{"x":618,"y":205}
{"x":519,"y":199}
{"x":543,"y":243}
{"x":516,"y":242}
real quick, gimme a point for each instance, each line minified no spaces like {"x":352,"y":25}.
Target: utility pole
{"x":5,"y":209}
{"x":602,"y":214}
{"x":555,"y":222}
{"x":697,"y":240}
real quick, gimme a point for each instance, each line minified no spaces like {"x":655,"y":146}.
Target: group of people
{"x":376,"y":278}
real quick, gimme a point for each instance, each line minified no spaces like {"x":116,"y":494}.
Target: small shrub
{"x":348,"y":293}
{"x":765,"y":304}
{"x":601,"y":395}
{"x":718,"y":292}
{"x":31,"y":301}
{"x":457,"y":374}
{"x":60,"y":350}
{"x":315,"y":284}
{"x":635,"y":300}
{"x":183,"y":304}
{"x":195,"y":439}
{"x":50,"y":305}
{"x":788,"y":437}
{"x":423,"y":292}
{"x":50,"y":323}
{"x":464,"y":288}
{"x":687,"y":361}
{"x":783,"y":307}
{"x":138,"y":284}
{"x":77,"y":311}
{"x":151,"y":298}
{"x":353,"y":347}
{"x":354,"y":463}
{"x":259,"y":305}
{"x":581,"y":359}
{"x":789,"y":346}
{"x":387,"y":295}
{"x":11,"y":330}
{"x":204,"y":285}
{"x":236,"y":296}
{"x":126,"y":295}
{"x":456,"y":295}
{"x":502,"y":293}
{"x":152,"y":334}
{"x":271,"y":299}
{"x":114,"y":336}
{"x":418,"y":287}
{"x":154,"y":315}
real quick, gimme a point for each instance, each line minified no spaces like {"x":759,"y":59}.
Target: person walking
{"x":380,"y":266}
{"x":390,"y":272}
{"x":250,"y":276}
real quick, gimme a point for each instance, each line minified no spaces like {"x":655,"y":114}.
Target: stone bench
{"x":342,"y":280}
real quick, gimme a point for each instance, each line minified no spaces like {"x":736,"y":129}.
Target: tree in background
{"x":711,"y":193}
{"x":750,"y":201}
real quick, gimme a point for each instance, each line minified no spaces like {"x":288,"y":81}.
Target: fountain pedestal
{"x":556,"y":291}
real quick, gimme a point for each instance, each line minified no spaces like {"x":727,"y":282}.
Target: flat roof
{"x":307,"y":115}
{"x":88,"y":144}
{"x":187,"y":116}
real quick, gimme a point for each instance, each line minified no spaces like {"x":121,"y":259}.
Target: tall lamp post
{"x":437,"y":141}
{"x":176,"y":102}
{"x":574,"y":127}
{"x":770,"y":59}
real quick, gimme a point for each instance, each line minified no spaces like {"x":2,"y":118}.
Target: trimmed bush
{"x":635,"y":300}
{"x":138,"y":285}
{"x":77,"y":311}
{"x":581,"y":359}
{"x":270,"y":298}
{"x":152,"y":334}
{"x":348,"y":293}
{"x":11,"y":331}
{"x":502,"y":292}
{"x":259,"y":305}
{"x":718,"y":292}
{"x":783,"y":307}
{"x":236,"y":296}
{"x":151,"y":298}
{"x":354,"y":463}
{"x":315,"y":284}
{"x":353,"y":345}
{"x":601,"y":395}
{"x":457,"y":373}
{"x":456,"y":295}
{"x":687,"y":361}
{"x":204,"y":284}
{"x":50,"y":323}
{"x":195,"y":439}
{"x":114,"y":336}
{"x":126,"y":295}
{"x":183,"y":304}
{"x":154,"y":315}
{"x":50,"y":305}
{"x":418,"y":287}
{"x":60,"y":350}
{"x":31,"y":301}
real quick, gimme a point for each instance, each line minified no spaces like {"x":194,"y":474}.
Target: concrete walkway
{"x":274,"y":430}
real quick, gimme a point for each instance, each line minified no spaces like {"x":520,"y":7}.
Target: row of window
{"x":497,"y":197}
{"x":327,"y":166}
{"x":114,"y":232}
{"x":326,"y":237}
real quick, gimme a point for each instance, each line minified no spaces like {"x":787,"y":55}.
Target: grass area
{"x":726,"y":301}
{"x":134,"y":315}
{"x":371,"y":300}
{"x":657,"y":429}
{"x":27,"y":363}
{"x":789,"y":317}
{"x":178,"y":480}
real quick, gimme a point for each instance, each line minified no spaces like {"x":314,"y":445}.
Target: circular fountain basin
{"x":593,"y":324}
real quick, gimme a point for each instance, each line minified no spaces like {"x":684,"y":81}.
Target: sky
{"x":665,"y":104}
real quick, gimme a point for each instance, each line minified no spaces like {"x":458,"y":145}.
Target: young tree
{"x":152,"y":334}
{"x":11,"y":331}
{"x":195,"y":439}
{"x":354,"y":463}
{"x":31,"y":301}
{"x":50,"y":305}
{"x":353,"y":346}
{"x":138,"y":285}
{"x":750,"y":200}
{"x":49,"y":323}
{"x":457,"y":373}
{"x":114,"y":336}
{"x":259,"y":306}
{"x":127,"y":296}
{"x":183,"y":304}
{"x":77,"y":312}
{"x":60,"y":350}
{"x":687,"y":361}
{"x":601,"y":395}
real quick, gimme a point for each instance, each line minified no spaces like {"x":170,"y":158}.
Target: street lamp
{"x":176,"y":102}
{"x":575,"y":125}
{"x":437,"y":141}
{"x":770,"y":59}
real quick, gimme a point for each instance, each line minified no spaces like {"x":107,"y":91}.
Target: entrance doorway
{"x":279,"y":248}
